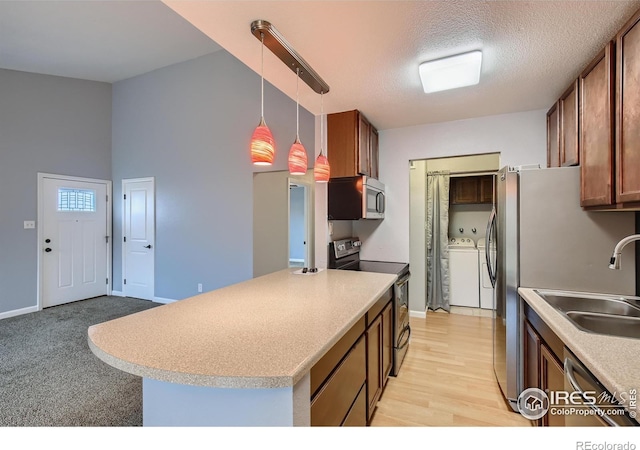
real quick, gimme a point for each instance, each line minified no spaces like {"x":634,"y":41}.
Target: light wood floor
{"x":447,"y":377}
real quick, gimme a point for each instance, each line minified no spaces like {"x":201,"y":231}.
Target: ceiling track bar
{"x":283,"y":50}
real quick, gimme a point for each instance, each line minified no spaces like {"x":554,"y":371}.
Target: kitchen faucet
{"x":614,"y":263}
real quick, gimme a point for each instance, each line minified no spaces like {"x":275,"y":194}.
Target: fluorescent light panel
{"x":451,"y":72}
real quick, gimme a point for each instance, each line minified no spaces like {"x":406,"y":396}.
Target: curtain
{"x":437,"y":237}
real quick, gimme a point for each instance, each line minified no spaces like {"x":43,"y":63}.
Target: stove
{"x":344,"y":254}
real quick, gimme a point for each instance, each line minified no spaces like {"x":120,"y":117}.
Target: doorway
{"x":139,"y":238}
{"x":464,"y":220}
{"x":74,"y":227}
{"x":299,"y":236}
{"x":272,"y":223}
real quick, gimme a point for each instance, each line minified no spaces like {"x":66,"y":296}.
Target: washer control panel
{"x":461,"y":242}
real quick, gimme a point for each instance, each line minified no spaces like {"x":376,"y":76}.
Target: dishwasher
{"x":591,"y":403}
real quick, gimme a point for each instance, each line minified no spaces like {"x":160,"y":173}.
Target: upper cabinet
{"x":352,"y":145}
{"x":569,"y":111}
{"x":628,"y":112}
{"x":563,"y":140}
{"x":597,"y":130}
{"x":595,"y":124}
{"x":553,"y":136}
{"x":471,"y":189}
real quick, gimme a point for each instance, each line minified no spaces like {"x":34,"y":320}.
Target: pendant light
{"x":321,"y":171}
{"x":263,"y":147}
{"x":297,"y":153}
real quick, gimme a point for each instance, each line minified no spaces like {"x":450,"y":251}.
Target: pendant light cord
{"x":321,"y":120}
{"x":297,"y":104}
{"x":262,"y":76}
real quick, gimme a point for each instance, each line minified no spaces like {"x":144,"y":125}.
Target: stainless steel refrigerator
{"x":544,"y":239}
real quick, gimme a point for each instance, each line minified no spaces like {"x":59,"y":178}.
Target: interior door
{"x":138,"y":247}
{"x":74,"y":240}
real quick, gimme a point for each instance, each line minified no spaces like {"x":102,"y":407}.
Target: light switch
{"x":29,"y":224}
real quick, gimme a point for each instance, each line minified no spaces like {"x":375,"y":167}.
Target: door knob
{"x":47,"y":249}
{"x":147,"y":246}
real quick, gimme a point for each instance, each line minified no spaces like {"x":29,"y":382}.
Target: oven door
{"x":402,"y":330}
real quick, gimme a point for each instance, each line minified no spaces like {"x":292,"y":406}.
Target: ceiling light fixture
{"x":297,"y":153}
{"x":263,"y":147}
{"x":451,"y":72}
{"x":322,"y":170}
{"x":274,"y":41}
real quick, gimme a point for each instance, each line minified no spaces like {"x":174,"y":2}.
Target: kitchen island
{"x":240,"y":355}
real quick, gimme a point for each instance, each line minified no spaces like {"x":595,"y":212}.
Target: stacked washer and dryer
{"x":469,"y":283}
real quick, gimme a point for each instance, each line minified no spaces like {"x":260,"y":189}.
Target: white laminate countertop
{"x":615,"y":361}
{"x":266,"y":332}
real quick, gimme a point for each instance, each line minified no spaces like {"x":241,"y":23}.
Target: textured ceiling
{"x":95,"y":40}
{"x":367,"y":51}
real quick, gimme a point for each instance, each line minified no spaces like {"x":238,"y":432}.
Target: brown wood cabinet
{"x":347,"y":382}
{"x":551,"y":380}
{"x":542,"y":370}
{"x":352,"y":145}
{"x":374,"y":365}
{"x":542,"y":351}
{"x":569,"y":111}
{"x":553,"y":136}
{"x":387,"y":343}
{"x":597,"y":130}
{"x":471,"y":189}
{"x":332,"y":405}
{"x":628,"y":112}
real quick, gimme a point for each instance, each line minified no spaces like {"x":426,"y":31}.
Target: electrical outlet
{"x":29,"y":224}
{"x":199,"y":287}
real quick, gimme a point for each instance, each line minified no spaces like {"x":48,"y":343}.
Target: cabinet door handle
{"x":147,"y":246}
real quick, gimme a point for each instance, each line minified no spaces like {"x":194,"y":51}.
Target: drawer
{"x":323,"y":368}
{"x":357,"y":416}
{"x":335,"y":398}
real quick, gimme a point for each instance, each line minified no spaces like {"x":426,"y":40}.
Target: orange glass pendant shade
{"x":263,"y":147}
{"x":297,"y":159}
{"x":321,"y":171}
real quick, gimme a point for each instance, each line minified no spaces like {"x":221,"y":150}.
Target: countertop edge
{"x":190,"y":379}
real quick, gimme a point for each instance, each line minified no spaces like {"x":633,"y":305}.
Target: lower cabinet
{"x":374,"y":365}
{"x":332,"y":405}
{"x":348,"y":381}
{"x":542,"y":367}
{"x":387,"y":342}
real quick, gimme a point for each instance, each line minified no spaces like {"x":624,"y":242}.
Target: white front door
{"x":73,"y":240}
{"x":138,"y":247}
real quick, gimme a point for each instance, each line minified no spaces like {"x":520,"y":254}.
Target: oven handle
{"x":568,"y":371}
{"x":405,"y":330}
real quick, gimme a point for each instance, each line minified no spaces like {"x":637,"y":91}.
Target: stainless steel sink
{"x":595,"y":313}
{"x":595,"y":305}
{"x":607,"y":324}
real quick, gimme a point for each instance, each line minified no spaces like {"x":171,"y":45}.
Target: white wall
{"x":520,"y":138}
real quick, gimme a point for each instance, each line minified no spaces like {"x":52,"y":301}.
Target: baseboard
{"x":18,"y":312}
{"x":419,"y":314}
{"x":163,"y":300}
{"x":117,"y":293}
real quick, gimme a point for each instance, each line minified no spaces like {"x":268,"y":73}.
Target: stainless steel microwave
{"x":354,"y":198}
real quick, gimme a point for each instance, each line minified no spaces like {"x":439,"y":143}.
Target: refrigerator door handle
{"x":487,"y":249}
